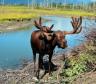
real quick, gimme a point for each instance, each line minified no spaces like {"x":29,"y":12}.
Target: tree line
{"x":54,"y":5}
{"x":50,"y":4}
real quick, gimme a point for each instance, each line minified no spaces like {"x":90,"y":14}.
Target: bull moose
{"x":44,"y":40}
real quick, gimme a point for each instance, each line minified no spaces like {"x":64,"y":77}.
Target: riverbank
{"x":15,"y":25}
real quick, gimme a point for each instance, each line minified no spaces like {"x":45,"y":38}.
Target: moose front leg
{"x":40,"y":64}
{"x":38,"y":67}
{"x":50,"y":57}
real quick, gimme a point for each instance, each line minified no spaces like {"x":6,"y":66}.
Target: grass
{"x":22,"y":12}
{"x":5,"y":16}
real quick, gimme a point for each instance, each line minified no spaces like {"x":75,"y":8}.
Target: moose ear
{"x":42,"y":36}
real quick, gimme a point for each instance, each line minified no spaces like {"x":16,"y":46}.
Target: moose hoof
{"x":35,"y":79}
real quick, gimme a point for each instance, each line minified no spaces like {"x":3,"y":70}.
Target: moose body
{"x":44,"y":41}
{"x":42,"y":46}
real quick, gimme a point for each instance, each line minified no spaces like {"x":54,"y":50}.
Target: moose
{"x":44,"y":40}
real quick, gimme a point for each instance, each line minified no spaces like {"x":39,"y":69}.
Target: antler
{"x":42,"y":28}
{"x":38,"y":24}
{"x":76,"y":24}
{"x":51,"y":26}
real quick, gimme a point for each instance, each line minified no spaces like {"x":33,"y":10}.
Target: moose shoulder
{"x":43,"y":42}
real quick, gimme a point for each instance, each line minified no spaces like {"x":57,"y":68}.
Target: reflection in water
{"x":15,"y":46}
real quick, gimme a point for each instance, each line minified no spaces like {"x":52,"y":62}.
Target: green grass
{"x":20,"y":12}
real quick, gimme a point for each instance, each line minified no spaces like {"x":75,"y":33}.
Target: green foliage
{"x":78,"y":65}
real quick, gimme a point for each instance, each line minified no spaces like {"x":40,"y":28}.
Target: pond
{"x":15,"y":46}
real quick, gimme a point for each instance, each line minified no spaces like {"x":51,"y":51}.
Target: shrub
{"x":78,"y":65}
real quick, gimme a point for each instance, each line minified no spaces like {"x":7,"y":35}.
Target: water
{"x":15,"y":46}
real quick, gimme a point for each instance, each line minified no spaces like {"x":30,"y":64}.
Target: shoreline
{"x":15,"y":25}
{"x":18,"y":25}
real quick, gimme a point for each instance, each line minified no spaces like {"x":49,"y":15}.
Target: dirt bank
{"x":18,"y":24}
{"x":23,"y":76}
{"x":15,"y":25}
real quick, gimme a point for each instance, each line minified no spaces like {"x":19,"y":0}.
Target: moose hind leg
{"x":34,"y":60}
